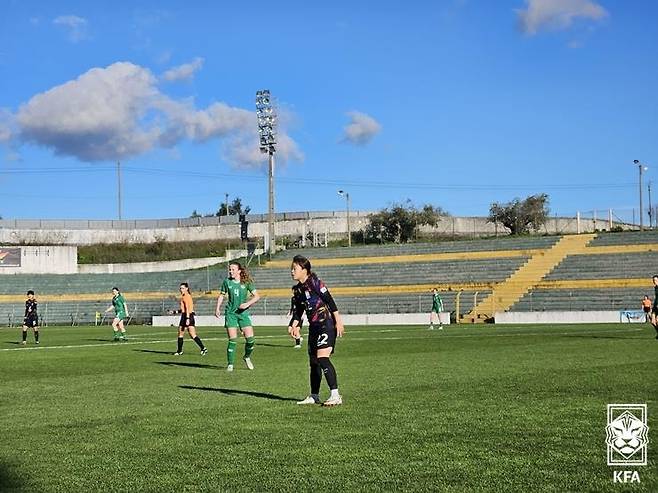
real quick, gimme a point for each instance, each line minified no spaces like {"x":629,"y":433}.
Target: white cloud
{"x":118,"y":112}
{"x":183,"y":72}
{"x":361,"y":129}
{"x":6,"y":126}
{"x":541,"y":15}
{"x":76,"y":26}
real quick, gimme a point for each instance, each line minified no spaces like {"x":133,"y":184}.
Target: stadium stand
{"x":581,"y":272}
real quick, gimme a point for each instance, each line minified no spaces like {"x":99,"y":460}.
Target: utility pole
{"x":650,"y":209}
{"x":226,"y":203}
{"x":119,"y":188}
{"x":641,"y":168}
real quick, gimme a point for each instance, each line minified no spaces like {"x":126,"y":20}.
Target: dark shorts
{"x":646,"y":309}
{"x":183,"y":321}
{"x":31,"y":321}
{"x":321,"y":336}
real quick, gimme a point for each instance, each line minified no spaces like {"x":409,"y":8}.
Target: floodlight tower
{"x":641,"y":167}
{"x":267,"y":136}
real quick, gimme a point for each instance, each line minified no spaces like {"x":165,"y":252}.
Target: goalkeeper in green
{"x":120,"y":313}
{"x":437,"y":309}
{"x":239,"y":291}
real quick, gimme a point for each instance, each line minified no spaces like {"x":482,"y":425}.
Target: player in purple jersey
{"x":310,"y":295}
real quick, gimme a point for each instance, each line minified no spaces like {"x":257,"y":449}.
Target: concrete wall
{"x":559,"y":317}
{"x":282,"y":321}
{"x":38,"y":260}
{"x":168,"y":266}
{"x":332,"y":224}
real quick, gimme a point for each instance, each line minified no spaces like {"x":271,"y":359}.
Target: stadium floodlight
{"x":345,"y":194}
{"x":267,"y":144}
{"x":641,"y":168}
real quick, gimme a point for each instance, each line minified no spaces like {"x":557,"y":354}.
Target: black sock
{"x":329,"y":372}
{"x":180,"y":344}
{"x":316,"y":378}
{"x":24,"y":335}
{"x":36,"y":336}
{"x":298,"y":342}
{"x":198,"y":341}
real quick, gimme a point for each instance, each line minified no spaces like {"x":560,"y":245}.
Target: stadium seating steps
{"x":70,"y":307}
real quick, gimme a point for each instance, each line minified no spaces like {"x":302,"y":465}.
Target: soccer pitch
{"x":468,"y":408}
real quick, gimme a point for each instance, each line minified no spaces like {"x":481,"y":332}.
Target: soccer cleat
{"x":229,"y":367}
{"x":36,"y":342}
{"x":298,"y":346}
{"x":309,"y":400}
{"x":333,"y":401}
{"x":431,"y":327}
{"x":247,"y":361}
{"x":440,"y":327}
{"x":23,"y":343}
{"x":178,"y":353}
{"x":204,"y":351}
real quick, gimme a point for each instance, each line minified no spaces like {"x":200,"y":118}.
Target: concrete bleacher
{"x":626,"y":238}
{"x":488,"y":245}
{"x":606,"y":266}
{"x":402,"y":284}
{"x":582,"y":299}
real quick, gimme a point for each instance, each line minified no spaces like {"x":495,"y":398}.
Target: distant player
{"x":299,"y":339}
{"x":646,"y":308}
{"x":187,"y":321}
{"x":120,"y":313}
{"x":240,"y":293}
{"x":325,"y":324}
{"x":31,"y":318}
{"x":437,"y":309}
{"x":654,"y":308}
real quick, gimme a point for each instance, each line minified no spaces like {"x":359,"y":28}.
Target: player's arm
{"x":331,"y":304}
{"x":220,"y":300}
{"x":252,"y":299}
{"x":297,"y":309}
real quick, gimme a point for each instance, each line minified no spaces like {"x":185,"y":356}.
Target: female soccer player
{"x":437,"y":308}
{"x":325,"y":324}
{"x":239,"y":290}
{"x":120,"y":312}
{"x":646,"y":308}
{"x":187,"y":320}
{"x":31,"y":318}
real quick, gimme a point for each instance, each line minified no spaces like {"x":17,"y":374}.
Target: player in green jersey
{"x":239,"y":291}
{"x":654,"y":308}
{"x":437,"y":309}
{"x":120,"y":313}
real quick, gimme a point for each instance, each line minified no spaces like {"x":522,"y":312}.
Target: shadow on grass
{"x":594,"y":336}
{"x":187,"y":365}
{"x":273,"y":345}
{"x":153,"y":351}
{"x":261,"y":395}
{"x":10,"y":480}
{"x":13,"y":343}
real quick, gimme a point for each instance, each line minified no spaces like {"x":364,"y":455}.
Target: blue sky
{"x":457,"y":103}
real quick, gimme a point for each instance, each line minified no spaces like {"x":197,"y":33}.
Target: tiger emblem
{"x":627,"y":435}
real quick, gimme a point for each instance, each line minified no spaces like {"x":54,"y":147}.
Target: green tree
{"x":398,"y":222}
{"x":519,"y":216}
{"x":234,"y":208}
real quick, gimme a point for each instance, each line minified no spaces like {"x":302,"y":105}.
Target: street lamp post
{"x":267,"y":144}
{"x":347,"y":201}
{"x":641,"y":167}
{"x":650,"y":208}
{"x":226,"y":203}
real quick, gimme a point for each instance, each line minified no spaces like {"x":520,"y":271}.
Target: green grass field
{"x":484,"y":408}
